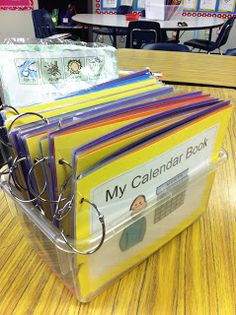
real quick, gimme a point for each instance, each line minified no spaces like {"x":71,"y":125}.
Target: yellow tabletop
{"x":195,"y":273}
{"x":182,"y":67}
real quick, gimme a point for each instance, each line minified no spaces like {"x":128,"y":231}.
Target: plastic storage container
{"x":132,"y":17}
{"x":177,"y":203}
{"x":162,"y":12}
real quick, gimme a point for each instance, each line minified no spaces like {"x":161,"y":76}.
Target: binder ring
{"x":6,"y":171}
{"x":14,"y":165}
{"x":26,"y":114}
{"x":11,"y":169}
{"x":59,"y":214}
{"x":3,"y":106}
{"x":101,"y":219}
{"x":62,"y":161}
{"x":31,"y":189}
{"x":7,"y":144}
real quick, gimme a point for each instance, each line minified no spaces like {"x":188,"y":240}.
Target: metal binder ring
{"x":59,"y":125}
{"x":7,"y":144}
{"x":6,"y":171}
{"x":27,"y":114}
{"x":59,"y":214}
{"x":14,"y":165}
{"x":11,"y":169}
{"x":3,"y":106}
{"x":101,"y":219}
{"x":62,"y":161}
{"x":3,"y":142}
{"x":31,"y":189}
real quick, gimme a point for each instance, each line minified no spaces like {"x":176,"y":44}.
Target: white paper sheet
{"x":207,"y":5}
{"x":111,"y":4}
{"x":190,"y":4}
{"x":226,"y":5}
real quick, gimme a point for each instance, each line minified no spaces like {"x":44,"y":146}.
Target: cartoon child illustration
{"x":95,"y":65}
{"x":134,"y":233}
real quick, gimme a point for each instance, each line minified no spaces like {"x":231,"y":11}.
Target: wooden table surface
{"x":195,"y":273}
{"x":180,"y":67}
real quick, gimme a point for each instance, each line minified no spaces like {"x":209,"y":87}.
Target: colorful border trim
{"x":20,"y":7}
{"x":188,"y":13}
{"x":206,"y":14}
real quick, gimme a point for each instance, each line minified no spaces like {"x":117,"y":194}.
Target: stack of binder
{"x":103,"y":178}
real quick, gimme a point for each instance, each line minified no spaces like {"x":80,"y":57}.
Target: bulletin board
{"x":110,"y":6}
{"x":204,"y":8}
{"x":16,"y":5}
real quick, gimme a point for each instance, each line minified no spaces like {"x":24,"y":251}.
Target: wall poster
{"x":110,"y":4}
{"x":226,"y":6}
{"x":14,"y":5}
{"x":141,"y":4}
{"x":190,"y":5}
{"x":192,"y":8}
{"x":207,"y":5}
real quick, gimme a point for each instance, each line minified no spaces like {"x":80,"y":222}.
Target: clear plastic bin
{"x":179,"y":202}
{"x":155,"y":11}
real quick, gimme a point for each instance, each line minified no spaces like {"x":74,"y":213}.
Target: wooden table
{"x":195,"y":273}
{"x":179,"y":67}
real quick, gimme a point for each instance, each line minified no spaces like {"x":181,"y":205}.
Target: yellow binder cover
{"x":66,"y":106}
{"x":140,"y":177}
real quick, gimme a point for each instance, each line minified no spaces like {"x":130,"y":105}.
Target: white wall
{"x":16,"y":23}
{"x":94,"y":6}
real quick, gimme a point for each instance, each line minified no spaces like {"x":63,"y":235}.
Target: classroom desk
{"x":182,"y":67}
{"x":193,"y":274}
{"x":115,"y":21}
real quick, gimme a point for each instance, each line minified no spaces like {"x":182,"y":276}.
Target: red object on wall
{"x":17,"y":5}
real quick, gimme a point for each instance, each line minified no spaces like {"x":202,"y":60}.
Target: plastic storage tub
{"x":162,"y":12}
{"x":178,"y":203}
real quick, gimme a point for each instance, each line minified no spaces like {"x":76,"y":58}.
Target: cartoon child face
{"x":95,"y":65}
{"x":138,"y":204}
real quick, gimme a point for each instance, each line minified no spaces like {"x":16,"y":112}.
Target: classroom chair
{"x":230,"y":52}
{"x":121,"y":10}
{"x":141,"y":33}
{"x":209,"y":46}
{"x":164,"y":36}
{"x":44,"y":27}
{"x":167,"y":46}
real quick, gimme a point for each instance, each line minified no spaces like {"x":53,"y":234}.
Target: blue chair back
{"x":141,"y":33}
{"x":166,"y":46}
{"x":224,"y":33}
{"x":43,"y":25}
{"x":124,"y":9}
{"x":231,"y":52}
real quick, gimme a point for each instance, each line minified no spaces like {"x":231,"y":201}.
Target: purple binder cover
{"x":153,"y":136}
{"x":114,"y":112}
